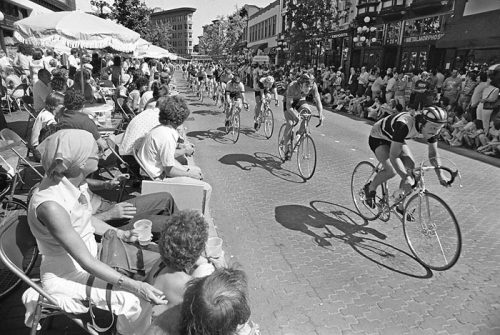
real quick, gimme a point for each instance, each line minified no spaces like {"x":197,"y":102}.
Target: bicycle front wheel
{"x":268,"y":123}
{"x":281,"y":143}
{"x":363,"y":174}
{"x":234,"y":132}
{"x":306,"y":156}
{"x":432,"y":232}
{"x":20,"y":246}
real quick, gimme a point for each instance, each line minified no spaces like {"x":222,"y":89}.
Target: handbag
{"x":489,"y":104}
{"x":130,"y":259}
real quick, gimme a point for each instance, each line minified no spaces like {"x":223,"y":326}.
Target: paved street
{"x":314,"y":266}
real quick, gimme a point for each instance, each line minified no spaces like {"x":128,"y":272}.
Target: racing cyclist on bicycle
{"x":234,"y":90}
{"x":202,"y":79}
{"x":295,"y":95}
{"x":267,"y":85}
{"x":387,"y":141}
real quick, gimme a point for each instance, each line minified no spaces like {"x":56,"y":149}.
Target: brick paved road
{"x":314,"y":266}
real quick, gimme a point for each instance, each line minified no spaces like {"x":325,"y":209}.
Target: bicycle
{"x":266,"y":116}
{"x":23,"y":248}
{"x":202,"y":86}
{"x":233,"y":128}
{"x":302,"y":142}
{"x":430,"y":227}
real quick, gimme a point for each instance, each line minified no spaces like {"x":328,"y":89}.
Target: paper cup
{"x":213,"y":247}
{"x":143,"y":229}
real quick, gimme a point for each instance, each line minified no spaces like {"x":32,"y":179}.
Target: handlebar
{"x":307,"y":115}
{"x":416,"y":172}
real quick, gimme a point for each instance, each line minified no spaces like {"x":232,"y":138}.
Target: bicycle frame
{"x":304,"y":119}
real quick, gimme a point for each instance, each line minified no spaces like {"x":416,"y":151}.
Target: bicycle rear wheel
{"x":234,"y":132}
{"x":363,"y":174}
{"x":306,"y":156}
{"x":268,"y":123}
{"x":432,"y":232}
{"x":281,"y":143}
{"x":21,"y":247}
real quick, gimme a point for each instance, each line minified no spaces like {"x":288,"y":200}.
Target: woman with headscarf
{"x":60,"y":217}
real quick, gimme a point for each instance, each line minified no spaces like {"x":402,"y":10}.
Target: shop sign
{"x":260,"y":59}
{"x":421,"y":38}
{"x":340,"y":34}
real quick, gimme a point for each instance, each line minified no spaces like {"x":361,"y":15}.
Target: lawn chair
{"x":46,"y":305}
{"x":27,"y":105}
{"x":185,"y":196}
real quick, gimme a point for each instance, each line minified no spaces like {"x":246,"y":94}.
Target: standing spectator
{"x":352,"y":82}
{"x":400,"y":89}
{"x":421,"y":90}
{"x":485,"y":106}
{"x":452,"y":86}
{"x":73,"y":62}
{"x":477,"y":95}
{"x":363,"y":80}
{"x":377,"y":85}
{"x":467,"y":90}
{"x":41,"y":90}
{"x":36,"y":64}
{"x":439,"y":81}
{"x":23,"y":59}
{"x":391,"y":87}
{"x":48,"y":60}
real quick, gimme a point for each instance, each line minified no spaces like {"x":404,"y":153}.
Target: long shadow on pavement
{"x":268,"y":162}
{"x":353,"y":230}
{"x":218,"y":135}
{"x":205,"y":112}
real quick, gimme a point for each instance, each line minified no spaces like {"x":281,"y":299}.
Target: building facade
{"x":14,"y":10}
{"x":263,"y":30}
{"x":181,"y":20}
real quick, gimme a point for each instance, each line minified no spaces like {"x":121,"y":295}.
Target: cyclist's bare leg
{"x":387,"y":172}
{"x":291,"y":119}
{"x":258,"y":106}
{"x":408,"y":161}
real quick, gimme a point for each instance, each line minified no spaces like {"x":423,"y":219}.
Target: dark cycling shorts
{"x":209,"y":76}
{"x":201,"y":78}
{"x":257,"y":94}
{"x":374,"y":142}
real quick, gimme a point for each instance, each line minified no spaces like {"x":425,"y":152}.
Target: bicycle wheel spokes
{"x":234,"y":132}
{"x":363,"y":174}
{"x":268,"y":123}
{"x":281,"y":142}
{"x":306,"y":156}
{"x":432,"y":231}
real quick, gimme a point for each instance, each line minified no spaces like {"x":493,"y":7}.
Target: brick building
{"x":181,"y":20}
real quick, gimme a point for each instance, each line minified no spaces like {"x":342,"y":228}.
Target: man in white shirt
{"x":41,"y":90}
{"x":157,"y":152}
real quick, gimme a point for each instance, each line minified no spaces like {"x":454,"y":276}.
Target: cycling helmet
{"x":435,"y":114}
{"x":267,"y":80}
{"x":306,"y":78}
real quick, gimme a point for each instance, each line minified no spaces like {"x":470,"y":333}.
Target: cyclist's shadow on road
{"x":343,"y":224}
{"x":262,"y":160}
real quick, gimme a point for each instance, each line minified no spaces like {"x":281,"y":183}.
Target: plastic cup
{"x":213,"y":247}
{"x":143,"y":229}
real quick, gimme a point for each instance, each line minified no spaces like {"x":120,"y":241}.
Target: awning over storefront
{"x":259,"y":46}
{"x":473,"y":31}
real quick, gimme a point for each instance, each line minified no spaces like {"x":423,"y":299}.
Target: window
{"x":190,"y":43}
{"x":266,"y":28}
{"x":274,"y":25}
{"x":190,"y":26}
{"x":190,"y":35}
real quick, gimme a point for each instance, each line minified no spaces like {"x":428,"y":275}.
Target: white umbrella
{"x":75,"y":29}
{"x":154,"y":51}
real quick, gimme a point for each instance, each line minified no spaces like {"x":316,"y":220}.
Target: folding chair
{"x":185,"y":196}
{"x":16,"y":143}
{"x":27,"y":104}
{"x":47,"y":305}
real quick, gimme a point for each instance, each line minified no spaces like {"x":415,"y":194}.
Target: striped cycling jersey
{"x":397,"y":128}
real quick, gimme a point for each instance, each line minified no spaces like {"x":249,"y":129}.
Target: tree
{"x":133,"y":14}
{"x":309,"y":22}
{"x":159,"y":34}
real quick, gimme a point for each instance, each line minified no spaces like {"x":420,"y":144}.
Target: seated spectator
{"x":73,"y":118}
{"x":59,"y":218}
{"x":215,"y":304}
{"x":158,"y":150}
{"x":340,"y":100}
{"x":41,"y":89}
{"x":36,"y":64}
{"x":386,"y":109}
{"x":490,"y":145}
{"x":53,"y":103}
{"x":59,"y":83}
{"x":182,"y":244}
{"x":373,"y":110}
{"x":88,"y":91}
{"x":356,"y":105}
{"x":141,"y":86}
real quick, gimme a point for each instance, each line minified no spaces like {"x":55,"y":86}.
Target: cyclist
{"x":210,"y":80}
{"x":202,"y":78}
{"x":267,"y":85}
{"x":234,"y":90}
{"x":387,"y":141}
{"x":295,"y":95}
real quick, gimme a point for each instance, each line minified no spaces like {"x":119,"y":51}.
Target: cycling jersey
{"x":267,"y":86}
{"x":294,"y":93}
{"x":202,"y":75}
{"x":225,"y":77}
{"x":235,"y":90}
{"x":397,"y":128}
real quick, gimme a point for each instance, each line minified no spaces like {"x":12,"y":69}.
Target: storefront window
{"x":425,"y":29}
{"x":413,"y":61}
{"x":392,"y":33}
{"x":422,"y":59}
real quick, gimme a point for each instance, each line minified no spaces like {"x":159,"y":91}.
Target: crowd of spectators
{"x":184,"y":290}
{"x":469,"y":95}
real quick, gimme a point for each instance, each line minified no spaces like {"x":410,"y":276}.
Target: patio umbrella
{"x":154,"y":51}
{"x":77,"y":30}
